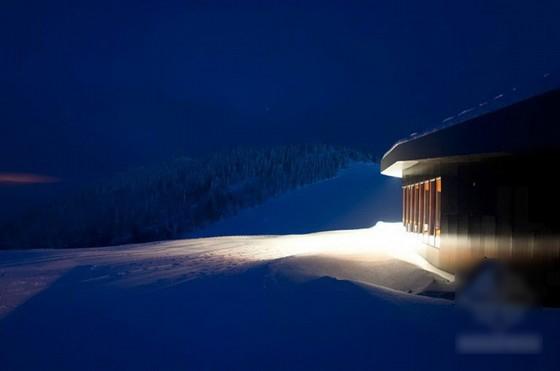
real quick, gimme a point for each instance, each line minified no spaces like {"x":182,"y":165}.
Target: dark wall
{"x":502,"y":207}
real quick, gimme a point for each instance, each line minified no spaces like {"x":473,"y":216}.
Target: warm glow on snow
{"x":382,"y":241}
{"x":183,"y":260}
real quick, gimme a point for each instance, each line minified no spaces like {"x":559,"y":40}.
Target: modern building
{"x":485,"y":187}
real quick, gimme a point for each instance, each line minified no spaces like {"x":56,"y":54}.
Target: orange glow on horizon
{"x":26,"y":178}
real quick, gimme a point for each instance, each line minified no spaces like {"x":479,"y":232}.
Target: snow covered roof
{"x":529,"y":126}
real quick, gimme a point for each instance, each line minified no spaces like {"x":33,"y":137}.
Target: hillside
{"x":357,"y":197}
{"x":179,"y":196}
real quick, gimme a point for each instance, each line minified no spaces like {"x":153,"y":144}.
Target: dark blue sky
{"x":93,"y":87}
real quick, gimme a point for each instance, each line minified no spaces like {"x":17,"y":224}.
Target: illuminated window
{"x":426,"y":207}
{"x":422,"y":209}
{"x":403,"y":205}
{"x":416,"y":203}
{"x":410,"y":207}
{"x":432,"y":216}
{"x":438,"y":212}
{"x":407,"y":207}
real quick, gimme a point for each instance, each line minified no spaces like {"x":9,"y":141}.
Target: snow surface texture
{"x":357,"y":198}
{"x":330,"y":300}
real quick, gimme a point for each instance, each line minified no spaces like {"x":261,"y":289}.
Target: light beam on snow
{"x":382,"y":241}
{"x":27,"y":273}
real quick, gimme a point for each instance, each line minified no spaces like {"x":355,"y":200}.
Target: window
{"x":408,"y":207}
{"x":416,"y":206}
{"x":432,"y":216}
{"x":426,"y":207}
{"x":438,"y":213}
{"x":422,"y":209}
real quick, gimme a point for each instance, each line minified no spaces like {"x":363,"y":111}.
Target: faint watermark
{"x":498,"y":299}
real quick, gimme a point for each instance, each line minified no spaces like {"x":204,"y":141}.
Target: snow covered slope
{"x":357,"y":198}
{"x":27,"y":272}
{"x":330,"y":300}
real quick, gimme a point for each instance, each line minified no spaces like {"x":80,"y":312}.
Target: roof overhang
{"x":396,"y":168}
{"x":527,"y":127}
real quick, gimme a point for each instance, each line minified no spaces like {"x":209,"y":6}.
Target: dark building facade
{"x":485,"y":188}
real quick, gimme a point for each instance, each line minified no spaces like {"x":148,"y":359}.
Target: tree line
{"x":179,"y":196}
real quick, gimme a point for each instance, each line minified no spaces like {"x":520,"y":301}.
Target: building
{"x":485,"y":187}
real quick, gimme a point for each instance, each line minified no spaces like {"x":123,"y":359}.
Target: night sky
{"x":93,"y":87}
